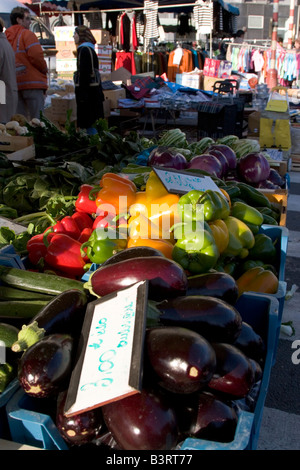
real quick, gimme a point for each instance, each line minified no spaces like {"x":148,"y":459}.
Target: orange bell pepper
{"x":116,"y":191}
{"x":164,"y":246}
{"x":258,"y":279}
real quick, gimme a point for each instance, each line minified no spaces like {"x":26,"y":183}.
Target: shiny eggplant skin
{"x":212,"y":419}
{"x":64,"y":313}
{"x":143,"y":421}
{"x":166,"y":278}
{"x":78,"y":429}
{"x":133,"y":252}
{"x":219,"y":285}
{"x":250,"y":343}
{"x":234,"y":375}
{"x":212,"y":318}
{"x":183,"y":360}
{"x":45,"y":367}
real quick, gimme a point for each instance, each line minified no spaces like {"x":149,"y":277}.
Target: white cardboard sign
{"x":109,"y":362}
{"x":181,"y":182}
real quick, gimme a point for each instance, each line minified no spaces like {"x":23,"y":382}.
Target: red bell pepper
{"x":85,"y":201}
{"x":73,"y":225}
{"x":36,"y":248}
{"x":85,"y":235}
{"x":63,"y":253}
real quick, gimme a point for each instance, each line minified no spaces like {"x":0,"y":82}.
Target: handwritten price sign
{"x":109,"y":363}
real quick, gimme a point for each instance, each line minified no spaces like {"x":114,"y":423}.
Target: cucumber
{"x":15,"y":309}
{"x":38,"y":282}
{"x":12,"y":293}
{"x":8,"y":334}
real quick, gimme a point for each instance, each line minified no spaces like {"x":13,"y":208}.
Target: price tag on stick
{"x":110,"y":351}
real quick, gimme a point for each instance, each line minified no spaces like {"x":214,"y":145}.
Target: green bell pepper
{"x":241,"y":238}
{"x":100,"y":246}
{"x":263,"y":249}
{"x":250,"y":263}
{"x":196,"y":252}
{"x":215,"y":205}
{"x":189,"y":208}
{"x":248,"y":214}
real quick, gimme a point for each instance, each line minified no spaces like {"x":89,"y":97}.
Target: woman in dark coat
{"x":89,"y":100}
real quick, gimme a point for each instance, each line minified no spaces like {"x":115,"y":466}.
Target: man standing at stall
{"x":31,"y":67}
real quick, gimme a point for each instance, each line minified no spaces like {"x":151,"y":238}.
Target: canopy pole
{"x":291,"y":24}
{"x":272,"y":75}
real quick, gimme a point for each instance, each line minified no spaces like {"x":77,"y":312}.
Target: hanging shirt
{"x":203,"y":16}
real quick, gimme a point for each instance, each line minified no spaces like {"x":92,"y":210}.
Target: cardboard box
{"x":217,"y":68}
{"x":103,"y":51}
{"x":13,"y":143}
{"x":60,"y":107}
{"x":105,"y":66}
{"x":191,"y":80}
{"x":208,"y":82}
{"x":114,"y":96}
{"x":106,"y":108}
{"x":102,"y":36}
{"x":253,"y":123}
{"x":121,"y":74}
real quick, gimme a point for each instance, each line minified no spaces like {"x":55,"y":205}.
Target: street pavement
{"x":280,"y":427}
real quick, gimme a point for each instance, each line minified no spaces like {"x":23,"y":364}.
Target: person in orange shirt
{"x":31,"y":67}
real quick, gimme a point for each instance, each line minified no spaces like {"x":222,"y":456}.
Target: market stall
{"x":74,"y":252}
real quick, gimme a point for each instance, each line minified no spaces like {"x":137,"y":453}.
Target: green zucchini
{"x":38,"y":282}
{"x":8,"y":334}
{"x":6,"y":375}
{"x":12,"y":309}
{"x":12,"y":293}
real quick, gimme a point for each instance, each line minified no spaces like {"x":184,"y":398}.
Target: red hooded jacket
{"x":31,"y":67}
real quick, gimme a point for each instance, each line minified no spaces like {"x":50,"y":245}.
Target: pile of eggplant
{"x":201,"y":361}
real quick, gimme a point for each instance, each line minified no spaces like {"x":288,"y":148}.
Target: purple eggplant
{"x":78,"y":429}
{"x":212,"y":419}
{"x":63,"y":314}
{"x":132,"y":252}
{"x":183,"y":361}
{"x":45,"y":367}
{"x":212,"y":318}
{"x":166,"y":277}
{"x":234,"y":375}
{"x":217,"y":284}
{"x":143,"y":421}
{"x":250,"y":343}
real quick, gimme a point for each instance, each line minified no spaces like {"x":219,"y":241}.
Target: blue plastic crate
{"x":282,"y":235}
{"x":261,"y":313}
{"x":28,"y":426}
{"x":4,"y":398}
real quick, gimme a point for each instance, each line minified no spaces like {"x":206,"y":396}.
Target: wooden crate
{"x":295,"y":162}
{"x":279,"y":198}
{"x":13,"y":143}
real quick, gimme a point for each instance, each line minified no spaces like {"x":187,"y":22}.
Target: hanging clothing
{"x":185,"y":65}
{"x":151,"y":15}
{"x":203,"y":17}
{"x":126,"y":60}
{"x":128,"y":37}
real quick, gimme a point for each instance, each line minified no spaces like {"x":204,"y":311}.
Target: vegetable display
{"x":100,"y":228}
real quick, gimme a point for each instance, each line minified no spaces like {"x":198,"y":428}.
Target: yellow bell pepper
{"x":241,"y":238}
{"x":220,"y":233}
{"x":154,"y":187}
{"x":164,"y":246}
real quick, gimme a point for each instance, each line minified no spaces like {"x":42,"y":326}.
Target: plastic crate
{"x":282,"y":234}
{"x":28,"y":426}
{"x":4,"y":398}
{"x":261,"y":313}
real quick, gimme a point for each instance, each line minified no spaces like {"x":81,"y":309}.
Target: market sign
{"x":110,"y":353}
{"x":181,"y":182}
